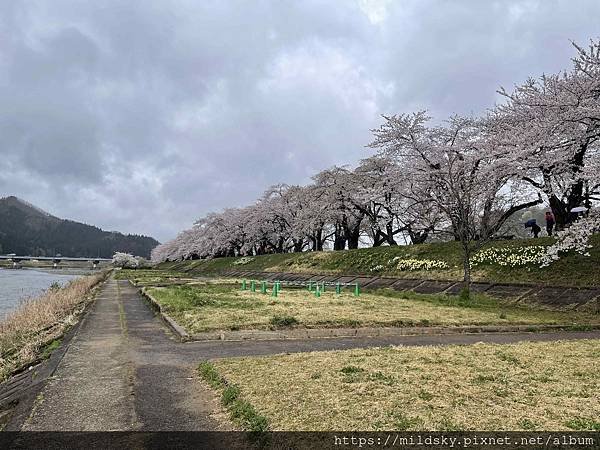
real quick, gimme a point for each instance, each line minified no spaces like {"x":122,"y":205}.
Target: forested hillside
{"x":27,"y":230}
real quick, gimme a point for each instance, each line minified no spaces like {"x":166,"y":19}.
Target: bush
{"x":351,"y":369}
{"x":284,"y":321}
{"x":230,"y":394}
{"x":209,"y":374}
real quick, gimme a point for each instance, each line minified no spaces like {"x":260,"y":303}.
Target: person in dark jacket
{"x":549,"y":222}
{"x":535,"y":229}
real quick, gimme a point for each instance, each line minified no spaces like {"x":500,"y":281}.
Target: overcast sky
{"x":140,"y":116}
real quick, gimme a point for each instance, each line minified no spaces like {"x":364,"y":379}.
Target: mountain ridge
{"x":26,"y":229}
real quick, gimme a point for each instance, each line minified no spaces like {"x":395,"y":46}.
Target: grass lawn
{"x":571,"y":270}
{"x":148,"y":276}
{"x":213,"y":306}
{"x":525,"y":386}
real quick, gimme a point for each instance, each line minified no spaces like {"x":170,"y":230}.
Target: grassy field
{"x":526,"y":386}
{"x":149,"y":277}
{"x":572,"y":270}
{"x":218,"y":306}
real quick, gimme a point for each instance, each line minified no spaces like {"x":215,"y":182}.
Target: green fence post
{"x":317,"y":292}
{"x":323,"y":287}
{"x":338,"y":288}
{"x":263,"y":287}
{"x":244,"y":285}
{"x":310,"y":286}
{"x":274,"y":290}
{"x":356,"y":290}
{"x":253,"y":286}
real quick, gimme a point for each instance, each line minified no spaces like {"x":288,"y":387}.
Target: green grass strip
{"x":241,"y":411}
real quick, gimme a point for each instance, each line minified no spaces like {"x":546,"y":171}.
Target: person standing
{"x":535,"y":229}
{"x":549,"y":222}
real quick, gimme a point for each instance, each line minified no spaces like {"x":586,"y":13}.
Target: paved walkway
{"x":124,"y":371}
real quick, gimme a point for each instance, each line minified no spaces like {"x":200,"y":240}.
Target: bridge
{"x":56,"y":260}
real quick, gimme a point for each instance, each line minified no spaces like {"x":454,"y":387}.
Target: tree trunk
{"x":318,"y":240}
{"x":466,"y":271}
{"x":339,"y":241}
{"x":352,"y":235}
{"x":298,"y":245}
{"x":418,"y":237}
{"x":389,"y":237}
{"x":378,"y":238}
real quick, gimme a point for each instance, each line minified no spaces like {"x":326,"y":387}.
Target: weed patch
{"x":283,"y":321}
{"x":241,"y":411}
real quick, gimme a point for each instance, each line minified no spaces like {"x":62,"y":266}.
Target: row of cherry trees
{"x":462,"y":179}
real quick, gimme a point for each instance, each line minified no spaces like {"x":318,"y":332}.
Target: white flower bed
{"x":419,"y":264}
{"x":510,"y":256}
{"x":575,"y":238}
{"x":244,"y":260}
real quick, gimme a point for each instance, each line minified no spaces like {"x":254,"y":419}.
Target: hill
{"x":28,"y":230}
{"x":500,"y":261}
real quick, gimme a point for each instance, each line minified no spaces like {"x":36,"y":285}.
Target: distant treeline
{"x":26,"y":230}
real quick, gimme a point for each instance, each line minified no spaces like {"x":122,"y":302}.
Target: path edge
{"x":177,"y":329}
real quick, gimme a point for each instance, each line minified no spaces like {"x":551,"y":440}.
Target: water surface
{"x":19,"y":284}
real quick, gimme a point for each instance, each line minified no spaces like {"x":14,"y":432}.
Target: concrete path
{"x":124,"y":371}
{"x":121,"y":372}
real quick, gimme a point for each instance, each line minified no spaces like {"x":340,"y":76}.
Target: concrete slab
{"x":330,"y":278}
{"x":433,"y":287}
{"x":364,"y":281}
{"x":548,"y":295}
{"x":298,"y":277}
{"x":578,"y":296}
{"x":317,"y":277}
{"x":475,"y":287}
{"x":508,"y":290}
{"x":272,"y":276}
{"x":345,"y":279}
{"x":405,"y":285}
{"x":381,"y":282}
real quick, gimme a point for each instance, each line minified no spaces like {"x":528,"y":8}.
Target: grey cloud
{"x":142,"y":115}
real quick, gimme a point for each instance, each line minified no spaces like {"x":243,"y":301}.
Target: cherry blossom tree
{"x":124,"y":260}
{"x":338,"y":188}
{"x":549,"y":130}
{"x":455,"y":169}
{"x":465,"y":178}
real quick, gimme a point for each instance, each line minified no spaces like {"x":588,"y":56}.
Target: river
{"x":19,"y":284}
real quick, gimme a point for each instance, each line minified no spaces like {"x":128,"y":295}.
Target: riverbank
{"x":511,"y":261}
{"x":30,"y":333}
{"x":21,"y":284}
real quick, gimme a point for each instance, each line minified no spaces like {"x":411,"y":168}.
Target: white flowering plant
{"x":243,"y":261}
{"x":420,"y":264}
{"x":575,"y":238}
{"x":510,"y":256}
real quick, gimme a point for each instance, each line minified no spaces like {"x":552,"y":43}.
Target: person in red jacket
{"x":549,"y":222}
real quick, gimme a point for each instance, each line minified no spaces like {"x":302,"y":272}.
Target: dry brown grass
{"x":38,"y":321}
{"x":215,"y":306}
{"x":525,"y":386}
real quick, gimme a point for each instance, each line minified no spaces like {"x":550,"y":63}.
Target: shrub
{"x":351,"y":369}
{"x":230,"y":394}
{"x":284,"y":321}
{"x":209,"y":374}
